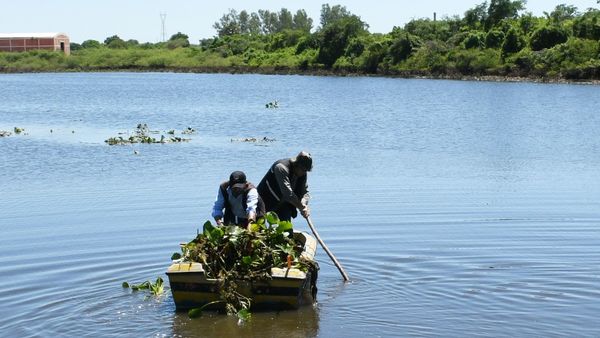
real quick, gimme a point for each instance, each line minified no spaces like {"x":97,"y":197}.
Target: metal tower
{"x":163,"y":18}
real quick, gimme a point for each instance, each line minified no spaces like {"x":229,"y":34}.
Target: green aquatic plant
{"x":232,"y":254}
{"x":18,"y":130}
{"x":156,"y":288}
{"x":141,"y":135}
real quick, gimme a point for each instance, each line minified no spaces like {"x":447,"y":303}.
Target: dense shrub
{"x":547,"y":37}
{"x":494,"y":39}
{"x":474,"y":40}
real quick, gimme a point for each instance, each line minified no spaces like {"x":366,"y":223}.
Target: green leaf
{"x":284,"y":226}
{"x":255,"y":227}
{"x":244,"y":314}
{"x":176,"y":256}
{"x":207,"y":228}
{"x":247,"y":260}
{"x":272,"y":218}
{"x":125,"y":285}
{"x":215,"y":234}
{"x":157,"y":288}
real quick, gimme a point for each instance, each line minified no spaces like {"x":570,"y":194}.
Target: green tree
{"x":244,"y":22}
{"x":178,"y":40}
{"x":503,"y":9}
{"x":270,"y":21}
{"x":427,"y":29}
{"x":90,"y":44}
{"x":562,"y":13}
{"x":302,"y":22}
{"x":333,"y":14}
{"x":285,"y":20}
{"x":254,"y":24}
{"x":513,"y":42}
{"x":494,"y":39}
{"x":115,"y":42}
{"x":228,"y":24}
{"x":75,"y":46}
{"x":403,"y":47}
{"x":476,"y":16}
{"x":474,"y":40}
{"x":587,"y":26}
{"x":335,"y":36}
{"x":548,"y":37}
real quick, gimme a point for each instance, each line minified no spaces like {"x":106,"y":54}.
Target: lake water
{"x":457,"y":208}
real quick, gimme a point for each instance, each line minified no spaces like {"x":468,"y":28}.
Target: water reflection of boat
{"x":287,"y":288}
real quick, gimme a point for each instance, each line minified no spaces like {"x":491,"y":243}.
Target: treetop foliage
{"x":495,"y":37}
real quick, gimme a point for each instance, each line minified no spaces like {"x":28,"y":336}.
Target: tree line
{"x":496,"y":38}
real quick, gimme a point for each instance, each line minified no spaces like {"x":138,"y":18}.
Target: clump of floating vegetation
{"x":142,"y":135}
{"x":16,"y":130}
{"x":232,"y":254}
{"x":272,"y":104}
{"x":253,"y":139}
{"x":155,"y":288}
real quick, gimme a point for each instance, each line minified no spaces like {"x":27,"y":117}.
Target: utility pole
{"x":163,"y":18}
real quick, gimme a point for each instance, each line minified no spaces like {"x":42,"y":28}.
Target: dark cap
{"x":237,"y":177}
{"x":303,"y":160}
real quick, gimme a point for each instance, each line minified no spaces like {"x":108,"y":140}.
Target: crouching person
{"x":238,"y":202}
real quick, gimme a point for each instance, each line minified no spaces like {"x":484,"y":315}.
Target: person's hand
{"x":305,"y":212}
{"x":219,"y":221}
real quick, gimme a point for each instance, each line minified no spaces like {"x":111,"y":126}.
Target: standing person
{"x":237,"y":201}
{"x":284,"y":188}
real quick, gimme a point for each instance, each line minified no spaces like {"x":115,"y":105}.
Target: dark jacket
{"x":270,"y":190}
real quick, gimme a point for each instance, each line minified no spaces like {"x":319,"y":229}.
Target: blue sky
{"x":140,"y":19}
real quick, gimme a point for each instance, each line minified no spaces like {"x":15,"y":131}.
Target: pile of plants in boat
{"x":142,"y":134}
{"x":231,"y":254}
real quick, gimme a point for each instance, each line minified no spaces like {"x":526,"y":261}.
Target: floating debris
{"x":18,"y":130}
{"x":189,"y":131}
{"x":253,"y":139}
{"x":4,"y":133}
{"x":272,"y":104}
{"x":141,"y":136}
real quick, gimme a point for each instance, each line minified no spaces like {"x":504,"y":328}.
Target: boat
{"x":288,"y":288}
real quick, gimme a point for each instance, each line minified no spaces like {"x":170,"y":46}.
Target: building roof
{"x":30,"y":35}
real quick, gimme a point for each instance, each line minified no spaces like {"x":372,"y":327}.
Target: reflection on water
{"x":301,"y":323}
{"x":457,"y":208}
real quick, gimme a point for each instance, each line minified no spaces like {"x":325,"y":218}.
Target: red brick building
{"x":22,"y":42}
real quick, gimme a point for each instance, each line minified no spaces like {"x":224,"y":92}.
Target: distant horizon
{"x":141,"y":21}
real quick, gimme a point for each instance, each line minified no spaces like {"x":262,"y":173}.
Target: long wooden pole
{"x":329,"y":253}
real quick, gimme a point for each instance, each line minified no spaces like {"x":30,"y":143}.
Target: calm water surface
{"x":457,"y":208}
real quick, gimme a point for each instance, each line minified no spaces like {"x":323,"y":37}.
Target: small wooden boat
{"x":288,"y":288}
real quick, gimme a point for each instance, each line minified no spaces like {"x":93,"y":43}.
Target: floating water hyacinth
{"x":142,"y":135}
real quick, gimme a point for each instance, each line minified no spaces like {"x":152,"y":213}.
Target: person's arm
{"x":251,"y":204}
{"x":283,"y":180}
{"x":218,"y":207}
{"x":305,"y":210}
